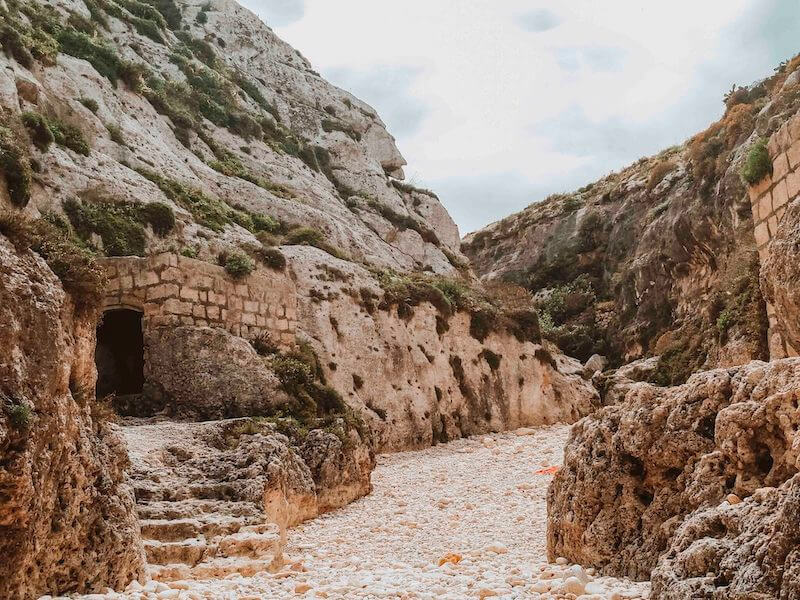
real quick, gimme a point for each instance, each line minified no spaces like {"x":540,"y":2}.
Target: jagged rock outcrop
{"x":203,"y":373}
{"x":67,"y":520}
{"x":658,"y":259}
{"x":780,"y":274}
{"x":736,"y":551}
{"x":216,"y":498}
{"x":418,"y":376}
{"x":635,"y":471}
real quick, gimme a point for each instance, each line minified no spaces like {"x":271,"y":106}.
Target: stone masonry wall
{"x":176,"y":290}
{"x":768,"y":201}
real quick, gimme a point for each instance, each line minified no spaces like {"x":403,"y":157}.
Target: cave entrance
{"x":120,"y":353}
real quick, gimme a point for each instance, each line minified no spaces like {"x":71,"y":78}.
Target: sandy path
{"x":480,"y":498}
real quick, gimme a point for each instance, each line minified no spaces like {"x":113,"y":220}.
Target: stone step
{"x":217,"y":568}
{"x":204,"y":525}
{"x":195,"y":508}
{"x":250,"y":544}
{"x":189,"y":552}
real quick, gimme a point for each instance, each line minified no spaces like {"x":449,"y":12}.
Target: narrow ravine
{"x":478,"y":506}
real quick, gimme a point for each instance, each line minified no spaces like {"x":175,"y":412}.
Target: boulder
{"x":634,"y":471}
{"x":202,"y":373}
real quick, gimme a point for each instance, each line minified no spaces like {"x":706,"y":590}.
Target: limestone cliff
{"x":658,"y":259}
{"x":67,"y":522}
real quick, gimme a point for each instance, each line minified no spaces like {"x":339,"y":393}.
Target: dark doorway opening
{"x":120,"y":353}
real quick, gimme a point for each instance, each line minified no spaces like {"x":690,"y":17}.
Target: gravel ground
{"x":477,"y":506}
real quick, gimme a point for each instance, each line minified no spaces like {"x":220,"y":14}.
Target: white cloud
{"x":518,"y":93}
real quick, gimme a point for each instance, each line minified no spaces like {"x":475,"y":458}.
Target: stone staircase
{"x":199,"y":519}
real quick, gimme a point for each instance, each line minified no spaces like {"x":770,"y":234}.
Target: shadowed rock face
{"x":741,"y":551}
{"x":67,"y":520}
{"x":634,"y":471}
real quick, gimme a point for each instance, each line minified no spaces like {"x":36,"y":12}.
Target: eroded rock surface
{"x":737,"y":550}
{"x":780,"y":274}
{"x":634,"y":471}
{"x":422,"y":378}
{"x":67,"y":519}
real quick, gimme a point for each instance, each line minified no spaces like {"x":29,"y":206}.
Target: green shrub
{"x":97,"y":13}
{"x":238,"y":265}
{"x":90,"y":104}
{"x":272,"y":257}
{"x":329,"y":125}
{"x":116,"y":224}
{"x":189,"y":252}
{"x":245,"y":126}
{"x":19,"y":415}
{"x":80,"y":274}
{"x":403,"y":222}
{"x":159,"y":216}
{"x":758,"y":164}
{"x":266,"y":223}
{"x":15,"y":46}
{"x":17,"y":228}
{"x":206,"y":211}
{"x":69,"y":136}
{"x":103,"y":58}
{"x":308,"y":236}
{"x":16,"y":167}
{"x":39,"y":130}
{"x":115,"y":133}
{"x":201,"y":18}
{"x":148,"y":28}
{"x":170,"y":11}
{"x":81,"y":23}
{"x":264,"y":345}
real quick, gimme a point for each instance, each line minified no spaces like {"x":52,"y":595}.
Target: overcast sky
{"x":497,"y":103}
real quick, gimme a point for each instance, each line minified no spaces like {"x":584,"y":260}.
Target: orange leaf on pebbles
{"x":450,"y":557}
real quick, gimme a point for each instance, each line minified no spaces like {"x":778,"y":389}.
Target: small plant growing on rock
{"x":238,"y":265}
{"x":19,"y":415}
{"x":115,"y":133}
{"x":272,"y":257}
{"x":757,"y":165}
{"x":90,"y":104}
{"x":308,"y":236}
{"x":39,"y":130}
{"x":16,"y":167}
{"x":264,"y":345}
{"x":159,"y":216}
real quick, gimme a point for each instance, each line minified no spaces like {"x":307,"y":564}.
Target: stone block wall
{"x":175,"y":290}
{"x":768,"y":201}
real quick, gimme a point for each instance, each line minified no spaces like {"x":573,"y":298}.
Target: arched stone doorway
{"x":120,"y":353}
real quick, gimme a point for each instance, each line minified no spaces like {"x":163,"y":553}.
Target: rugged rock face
{"x":218,"y":104}
{"x":658,"y":259}
{"x":736,"y":551}
{"x":201,"y":373}
{"x":634,"y":471}
{"x":422,"y":378}
{"x":67,"y":520}
{"x":780,"y":274}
